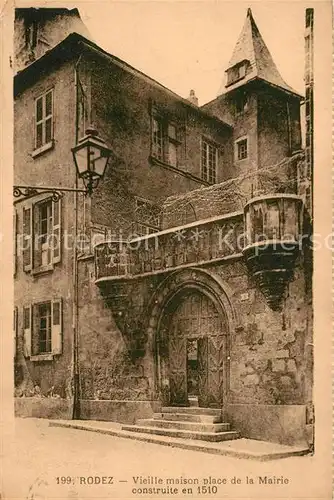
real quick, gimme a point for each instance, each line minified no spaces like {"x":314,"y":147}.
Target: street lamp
{"x":91,"y":156}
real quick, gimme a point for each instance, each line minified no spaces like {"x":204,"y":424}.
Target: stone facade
{"x":130,"y":285}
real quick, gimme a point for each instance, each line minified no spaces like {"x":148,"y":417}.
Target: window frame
{"x":165,"y":123}
{"x":206,"y":177}
{"x":45,"y":145}
{"x":32,"y":251}
{"x":32,"y":334}
{"x":237,"y":148}
{"x":48,"y":328}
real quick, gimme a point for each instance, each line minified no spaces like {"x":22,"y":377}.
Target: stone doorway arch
{"x":169,"y":338}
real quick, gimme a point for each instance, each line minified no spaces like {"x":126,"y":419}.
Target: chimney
{"x":192,"y":98}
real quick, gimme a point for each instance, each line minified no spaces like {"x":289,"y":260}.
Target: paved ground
{"x":52,"y":462}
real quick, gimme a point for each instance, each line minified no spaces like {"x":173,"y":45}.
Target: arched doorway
{"x":193,"y":349}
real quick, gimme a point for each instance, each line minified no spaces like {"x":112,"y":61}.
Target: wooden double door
{"x":197,"y":350}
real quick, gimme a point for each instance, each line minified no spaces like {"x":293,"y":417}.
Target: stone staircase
{"x":186,"y":422}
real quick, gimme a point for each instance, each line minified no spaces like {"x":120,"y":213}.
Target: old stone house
{"x":191,"y":283}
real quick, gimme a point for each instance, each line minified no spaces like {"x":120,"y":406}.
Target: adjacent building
{"x":191,"y":278}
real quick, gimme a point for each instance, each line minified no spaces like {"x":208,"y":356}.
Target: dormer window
{"x":237,"y":72}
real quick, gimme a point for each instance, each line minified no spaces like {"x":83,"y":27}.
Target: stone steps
{"x":190,"y":422}
{"x":175,"y":433}
{"x":187,"y":426}
{"x":191,"y":410}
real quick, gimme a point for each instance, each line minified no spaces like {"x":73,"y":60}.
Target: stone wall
{"x":121,"y":108}
{"x":109,"y":367}
{"x":56,"y":165}
{"x":268,"y":352}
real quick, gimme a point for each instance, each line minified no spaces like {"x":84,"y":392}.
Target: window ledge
{"x":42,"y":357}
{"x":42,"y":149}
{"x":42,"y":270}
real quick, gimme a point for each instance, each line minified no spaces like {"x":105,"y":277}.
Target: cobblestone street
{"x":50,"y":462}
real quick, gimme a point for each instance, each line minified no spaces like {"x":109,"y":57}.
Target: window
{"x":242,"y":71}
{"x":44,"y":120}
{"x":236,"y":73}
{"x":209,"y":162}
{"x":45,"y":232}
{"x":241,"y":149}
{"x":42,"y":326}
{"x":42,"y":231}
{"x":147,"y":217}
{"x":165,"y":140}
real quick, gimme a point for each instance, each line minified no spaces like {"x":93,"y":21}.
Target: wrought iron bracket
{"x":56,"y":192}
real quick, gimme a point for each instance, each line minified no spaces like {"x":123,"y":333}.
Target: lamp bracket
{"x":56,"y":192}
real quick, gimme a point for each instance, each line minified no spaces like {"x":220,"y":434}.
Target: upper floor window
{"x":241,"y":149}
{"x":41,"y":235}
{"x":44,"y":120}
{"x":209,"y":162}
{"x":165,"y":140}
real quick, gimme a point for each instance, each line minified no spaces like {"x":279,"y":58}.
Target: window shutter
{"x":14,"y":242}
{"x":56,"y":240}
{"x":15,"y":330}
{"x":27,"y":330}
{"x":37,"y":257}
{"x":27,"y":238}
{"x":57,"y":330}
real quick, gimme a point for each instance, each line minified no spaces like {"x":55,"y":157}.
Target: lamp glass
{"x":98,"y":159}
{"x":81,"y":160}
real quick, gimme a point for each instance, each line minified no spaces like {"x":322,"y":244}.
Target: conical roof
{"x":252,"y":48}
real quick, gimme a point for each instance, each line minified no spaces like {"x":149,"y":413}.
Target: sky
{"x":187,"y":44}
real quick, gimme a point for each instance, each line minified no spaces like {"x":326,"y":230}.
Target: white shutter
{"x":56,"y":327}
{"x":27,"y":238}
{"x":27,"y":330}
{"x":56,"y":231}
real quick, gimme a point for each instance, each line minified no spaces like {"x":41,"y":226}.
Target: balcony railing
{"x":196,"y":243}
